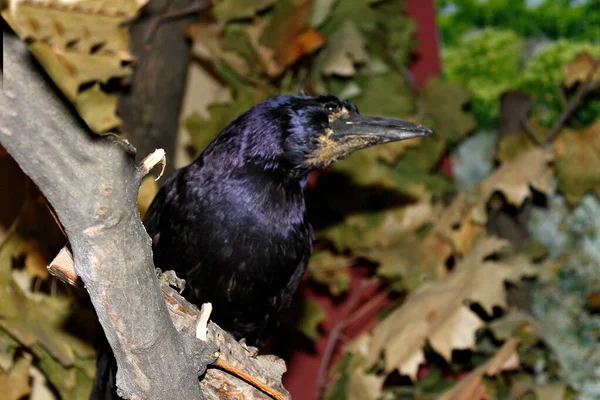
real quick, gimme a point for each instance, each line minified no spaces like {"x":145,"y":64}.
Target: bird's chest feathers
{"x":268,"y":205}
{"x":261,"y":219}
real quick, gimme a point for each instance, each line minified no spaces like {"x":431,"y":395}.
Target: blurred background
{"x":465,"y":265}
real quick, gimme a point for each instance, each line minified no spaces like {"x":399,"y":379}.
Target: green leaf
{"x":358,"y":12}
{"x":36,"y":323}
{"x":310,"y":319}
{"x":444,"y":103}
{"x":394,"y":40}
{"x":98,"y":109}
{"x":346,"y":48}
{"x":321,"y":10}
{"x":331,"y":269}
{"x":73,"y":383}
{"x":227,"y":10}
{"x":203,"y":130}
{"x":388,"y":94}
{"x":8,"y":348}
{"x":338,"y":390}
{"x":493,"y":67}
{"x":415,"y":167}
{"x":413,"y":262}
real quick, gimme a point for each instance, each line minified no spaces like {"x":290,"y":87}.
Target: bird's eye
{"x":332,"y":107}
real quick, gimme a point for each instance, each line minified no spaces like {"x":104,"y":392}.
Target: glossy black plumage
{"x":233,"y":223}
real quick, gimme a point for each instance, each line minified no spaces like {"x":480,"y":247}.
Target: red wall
{"x":303,"y":366}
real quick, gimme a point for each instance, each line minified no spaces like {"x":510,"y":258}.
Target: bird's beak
{"x":353,"y":132}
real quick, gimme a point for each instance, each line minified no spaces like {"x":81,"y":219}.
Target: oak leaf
{"x":577,"y":160}
{"x":514,"y":179}
{"x":438,"y":312}
{"x":581,"y":69}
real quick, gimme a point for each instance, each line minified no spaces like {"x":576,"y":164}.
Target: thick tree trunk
{"x":151,"y":105}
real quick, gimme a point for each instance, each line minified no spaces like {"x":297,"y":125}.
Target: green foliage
{"x":544,"y":73}
{"x":552,"y":19}
{"x":488,"y":63}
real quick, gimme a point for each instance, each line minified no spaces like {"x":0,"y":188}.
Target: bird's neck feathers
{"x":256,"y":138}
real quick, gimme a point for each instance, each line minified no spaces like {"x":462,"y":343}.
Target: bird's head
{"x":301,"y":133}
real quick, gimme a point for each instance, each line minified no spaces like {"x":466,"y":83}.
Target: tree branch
{"x":92,"y":183}
{"x":334,"y":336}
{"x":585,"y":87}
{"x":263,"y":372}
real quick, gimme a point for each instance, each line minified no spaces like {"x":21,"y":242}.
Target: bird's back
{"x":240,"y":240}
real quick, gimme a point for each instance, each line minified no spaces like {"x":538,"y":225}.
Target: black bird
{"x":234,"y":224}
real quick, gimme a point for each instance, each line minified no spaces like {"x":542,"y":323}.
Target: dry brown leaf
{"x":437,"y":312}
{"x":305,"y":43}
{"x":207,"y":45}
{"x":79,"y":42}
{"x":576,"y":178}
{"x":332,"y":270}
{"x":36,"y":261}
{"x":515,"y":178}
{"x":265,"y":54}
{"x":288,"y":34}
{"x":550,"y":391}
{"x":146,"y":194}
{"x":414,"y":261}
{"x":456,"y":225}
{"x":580,"y":69}
{"x":363,"y":386}
{"x":504,"y":327}
{"x":346,"y":49}
{"x":511,"y":146}
{"x":15,"y":384}
{"x":98,"y":109}
{"x":41,"y":321}
{"x":69,"y":69}
{"x":472,"y":386}
{"x":381,"y":230}
{"x":227,"y":10}
{"x":80,"y":24}
{"x":406,"y":220}
{"x":418,"y":260}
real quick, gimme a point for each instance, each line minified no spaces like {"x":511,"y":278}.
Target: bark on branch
{"x":92,"y":183}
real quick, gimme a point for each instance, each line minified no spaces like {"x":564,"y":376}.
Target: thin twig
{"x":334,"y":336}
{"x":528,"y":128}
{"x":584,"y":88}
{"x":569,"y":108}
{"x":368,"y":306}
{"x":224,"y":365}
{"x":562,"y":95}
